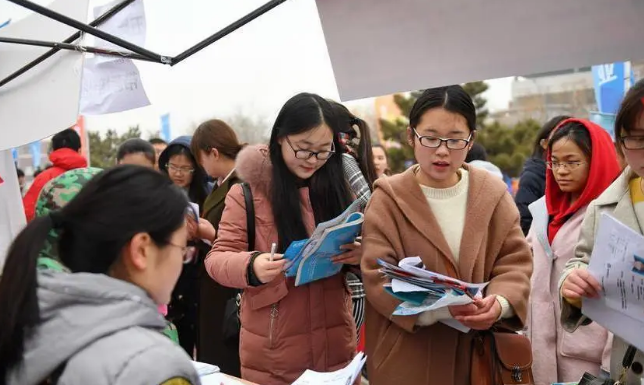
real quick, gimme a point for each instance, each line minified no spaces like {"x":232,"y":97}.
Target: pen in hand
{"x":273,"y":249}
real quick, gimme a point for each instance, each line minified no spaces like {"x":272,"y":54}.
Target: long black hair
{"x":328,"y":190}
{"x":197,"y":188}
{"x":364,"y":154}
{"x":93,"y":228}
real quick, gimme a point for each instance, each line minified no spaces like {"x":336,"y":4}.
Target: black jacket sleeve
{"x":531,"y":188}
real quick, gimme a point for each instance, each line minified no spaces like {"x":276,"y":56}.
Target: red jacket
{"x":62,"y":160}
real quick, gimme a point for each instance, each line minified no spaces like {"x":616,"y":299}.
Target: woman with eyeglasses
{"x":624,"y":200}
{"x":122,"y":241}
{"x":179,"y":163}
{"x":296,"y":183}
{"x":461,"y":222}
{"x":582,"y":163}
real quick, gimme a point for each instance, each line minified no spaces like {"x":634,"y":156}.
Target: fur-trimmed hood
{"x":253,"y":166}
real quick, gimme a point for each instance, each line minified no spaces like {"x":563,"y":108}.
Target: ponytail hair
{"x":358,"y":130}
{"x":18,"y":300}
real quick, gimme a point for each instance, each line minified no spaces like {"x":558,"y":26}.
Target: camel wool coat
{"x":399,"y":223}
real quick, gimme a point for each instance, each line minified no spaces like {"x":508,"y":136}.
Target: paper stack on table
{"x":422,"y":290}
{"x":345,"y":376}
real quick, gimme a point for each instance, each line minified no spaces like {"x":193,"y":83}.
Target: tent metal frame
{"x":133,"y":51}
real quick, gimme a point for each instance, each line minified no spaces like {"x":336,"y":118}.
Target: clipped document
{"x":617,"y":262}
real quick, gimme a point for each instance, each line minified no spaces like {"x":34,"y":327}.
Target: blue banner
{"x":609,"y":81}
{"x":14,"y":154}
{"x":35,"y":154}
{"x":605,"y":121}
{"x":165,"y":127}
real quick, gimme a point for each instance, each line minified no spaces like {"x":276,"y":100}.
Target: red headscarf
{"x":604,"y":169}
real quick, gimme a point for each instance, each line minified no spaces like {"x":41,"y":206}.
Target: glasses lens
{"x":456,"y":144}
{"x":324,"y":155}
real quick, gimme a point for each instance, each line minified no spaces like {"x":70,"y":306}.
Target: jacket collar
{"x":484,"y":192}
{"x":219,"y":193}
{"x":618,"y":195}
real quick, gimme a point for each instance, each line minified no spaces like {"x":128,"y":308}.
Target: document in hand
{"x":345,"y":376}
{"x":422,"y":290}
{"x":617,"y":263}
{"x":310,"y":259}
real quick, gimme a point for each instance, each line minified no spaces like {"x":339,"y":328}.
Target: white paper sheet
{"x":44,"y":100}
{"x":219,"y":379}
{"x":344,"y":376}
{"x":111,"y":86}
{"x":614,"y":263}
{"x":129,"y":24}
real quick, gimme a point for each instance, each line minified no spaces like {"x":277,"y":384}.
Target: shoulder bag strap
{"x":250,"y":215}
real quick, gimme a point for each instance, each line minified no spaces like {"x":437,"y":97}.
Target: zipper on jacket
{"x":273,"y":317}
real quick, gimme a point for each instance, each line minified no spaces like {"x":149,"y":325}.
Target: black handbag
{"x":627,"y":361}
{"x":232,"y":324}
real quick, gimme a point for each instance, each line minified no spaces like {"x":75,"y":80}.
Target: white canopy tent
{"x":376,"y":47}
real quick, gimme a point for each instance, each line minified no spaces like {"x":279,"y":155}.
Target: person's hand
{"x":205,"y":230}
{"x":265,"y":270}
{"x":487,"y":311}
{"x":351,"y":256}
{"x":580,"y":283}
{"x":193,"y":227}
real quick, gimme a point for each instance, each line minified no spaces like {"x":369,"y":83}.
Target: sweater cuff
{"x":250,"y":273}
{"x":430,"y":317}
{"x":506,"y":309}
{"x":576,"y":302}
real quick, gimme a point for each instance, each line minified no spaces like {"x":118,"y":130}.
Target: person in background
{"x":159,"y":146}
{"x":98,"y":323}
{"x":360,"y":173}
{"x":21,"y":179}
{"x":136,"y":151}
{"x":477,"y":157}
{"x":532,"y":181}
{"x":65,"y":156}
{"x":216,"y":146}
{"x":286,"y":329}
{"x":461,"y":222}
{"x":357,"y":157}
{"x":180,"y":165}
{"x":582,"y":163}
{"x":380,"y":160}
{"x":624,"y":200}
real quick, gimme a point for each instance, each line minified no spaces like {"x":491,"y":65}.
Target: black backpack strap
{"x":250,"y":215}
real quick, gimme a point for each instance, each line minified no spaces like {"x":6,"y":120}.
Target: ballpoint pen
{"x":273,"y":249}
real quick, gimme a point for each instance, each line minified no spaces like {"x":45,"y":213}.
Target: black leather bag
{"x":627,"y":361}
{"x":232,"y":324}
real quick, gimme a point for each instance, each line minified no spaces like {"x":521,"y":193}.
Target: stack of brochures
{"x":310,"y":259}
{"x":345,"y":376}
{"x":422,"y":290}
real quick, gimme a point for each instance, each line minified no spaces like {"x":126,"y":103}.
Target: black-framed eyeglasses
{"x":568,"y":166}
{"x":632,"y":142}
{"x":308,"y":154}
{"x":435,"y":142}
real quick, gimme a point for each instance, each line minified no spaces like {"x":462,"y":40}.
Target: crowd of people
{"x":124,"y":275}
